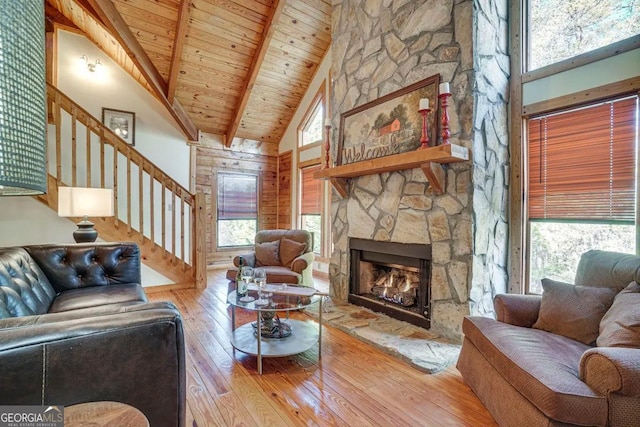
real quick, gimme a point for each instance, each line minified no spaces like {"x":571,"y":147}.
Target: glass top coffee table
{"x":279,"y":337}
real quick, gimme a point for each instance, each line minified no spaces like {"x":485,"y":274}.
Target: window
{"x":312,"y":124}
{"x":311,"y":206}
{"x":581,"y":186}
{"x":237,"y":209}
{"x":562,"y":29}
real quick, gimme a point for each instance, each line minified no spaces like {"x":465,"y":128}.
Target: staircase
{"x":150,"y":208}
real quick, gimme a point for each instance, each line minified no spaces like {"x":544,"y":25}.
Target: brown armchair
{"x":286,"y":255}
{"x":550,"y":379}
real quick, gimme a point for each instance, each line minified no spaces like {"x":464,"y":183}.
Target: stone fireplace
{"x":380,"y":46}
{"x":391,"y":278}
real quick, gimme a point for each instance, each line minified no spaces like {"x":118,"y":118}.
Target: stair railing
{"x":150,"y":207}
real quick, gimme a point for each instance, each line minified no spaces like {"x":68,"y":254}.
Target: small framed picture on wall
{"x":122,"y":123}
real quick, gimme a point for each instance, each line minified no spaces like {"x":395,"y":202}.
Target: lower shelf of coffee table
{"x":304,"y":335}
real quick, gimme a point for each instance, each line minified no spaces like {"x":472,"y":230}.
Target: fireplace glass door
{"x":392,"y":278}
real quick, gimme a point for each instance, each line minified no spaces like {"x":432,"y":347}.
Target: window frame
{"x":527,"y":221}
{"x":518,"y":113}
{"x":217,"y":201}
{"x":308,"y":152}
{"x":319,"y":100}
{"x":323,"y":192}
{"x":304,"y":165}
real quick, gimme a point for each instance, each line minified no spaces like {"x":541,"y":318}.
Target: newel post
{"x":199,"y":231}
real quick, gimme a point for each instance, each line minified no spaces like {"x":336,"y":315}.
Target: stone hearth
{"x":422,"y":349}
{"x":380,"y":46}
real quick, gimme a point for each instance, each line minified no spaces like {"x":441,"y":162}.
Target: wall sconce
{"x":92,"y":66}
{"x":23,"y":117}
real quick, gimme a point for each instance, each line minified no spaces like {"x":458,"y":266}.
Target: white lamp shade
{"x":78,"y":201}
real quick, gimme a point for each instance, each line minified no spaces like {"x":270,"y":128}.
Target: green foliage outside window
{"x":562,"y":29}
{"x":236,"y":232}
{"x":556,"y":247}
{"x":313,"y":224}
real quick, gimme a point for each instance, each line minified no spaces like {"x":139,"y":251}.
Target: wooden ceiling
{"x":228,"y":67}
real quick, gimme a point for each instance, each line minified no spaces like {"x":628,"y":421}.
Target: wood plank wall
{"x":284,"y":190}
{"x":212,"y":158}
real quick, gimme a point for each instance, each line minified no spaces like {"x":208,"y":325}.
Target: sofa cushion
{"x":543,"y":366}
{"x":620,"y":326}
{"x":573,"y":311}
{"x":290,"y":250}
{"x":98,"y":296}
{"x":25,"y":289}
{"x":267,"y":253}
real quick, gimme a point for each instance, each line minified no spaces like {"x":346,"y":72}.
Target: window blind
{"x":582,"y":163}
{"x":237,"y":196}
{"x":311,"y":194}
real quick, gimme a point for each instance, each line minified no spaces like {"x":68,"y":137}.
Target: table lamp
{"x":85,"y":202}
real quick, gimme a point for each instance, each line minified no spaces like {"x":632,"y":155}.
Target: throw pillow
{"x":290,"y":250}
{"x":267,"y":253}
{"x":620,"y":326}
{"x":573,"y":311}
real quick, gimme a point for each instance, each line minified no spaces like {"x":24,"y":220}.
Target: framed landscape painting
{"x":388,"y":125}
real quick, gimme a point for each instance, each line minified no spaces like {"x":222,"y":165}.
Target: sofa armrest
{"x":612,"y":370}
{"x":115,"y":357}
{"x":300,"y":263}
{"x":517,"y":310}
{"x":248,"y":259}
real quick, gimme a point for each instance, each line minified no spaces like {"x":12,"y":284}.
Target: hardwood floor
{"x":353,"y":384}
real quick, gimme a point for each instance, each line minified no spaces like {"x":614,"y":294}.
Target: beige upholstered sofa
{"x":286,"y":255}
{"x":527,"y":376}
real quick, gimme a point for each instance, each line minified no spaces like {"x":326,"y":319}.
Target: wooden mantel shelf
{"x":428,"y":160}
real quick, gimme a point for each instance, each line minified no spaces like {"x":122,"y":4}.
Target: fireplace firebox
{"x":391,"y":278}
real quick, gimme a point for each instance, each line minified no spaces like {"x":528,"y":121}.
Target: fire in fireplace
{"x":392,"y":284}
{"x":392,"y":278}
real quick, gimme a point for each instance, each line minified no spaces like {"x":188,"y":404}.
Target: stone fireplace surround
{"x":380,"y":46}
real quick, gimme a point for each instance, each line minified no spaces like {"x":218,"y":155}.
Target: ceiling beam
{"x":178,"y":45}
{"x":55,"y":17}
{"x":256,"y":63}
{"x":106,"y":11}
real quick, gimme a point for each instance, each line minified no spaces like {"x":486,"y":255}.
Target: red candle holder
{"x":327,"y":147}
{"x":445,"y":133}
{"x":424,"y":138}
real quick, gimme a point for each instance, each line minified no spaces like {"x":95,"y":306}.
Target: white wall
{"x":599,"y":73}
{"x":26,"y":221}
{"x":157,"y":135}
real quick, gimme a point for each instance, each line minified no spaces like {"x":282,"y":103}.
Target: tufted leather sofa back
{"x":24,"y":288}
{"x":92,"y":264}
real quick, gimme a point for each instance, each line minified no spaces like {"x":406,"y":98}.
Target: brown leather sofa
{"x":532,"y":377}
{"x":286,"y":255}
{"x":75,"y":326}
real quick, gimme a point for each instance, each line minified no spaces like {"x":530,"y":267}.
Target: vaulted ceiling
{"x":228,"y":67}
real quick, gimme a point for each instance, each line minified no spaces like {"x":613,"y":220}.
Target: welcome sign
{"x":388,"y":125}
